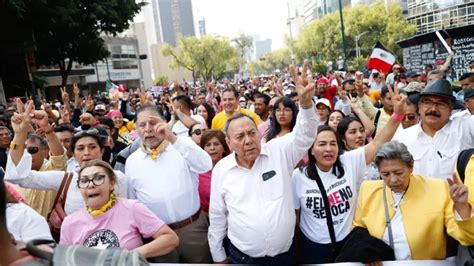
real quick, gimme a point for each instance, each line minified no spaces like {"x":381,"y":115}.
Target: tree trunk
{"x":64,"y":70}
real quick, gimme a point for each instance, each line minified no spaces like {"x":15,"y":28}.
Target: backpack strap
{"x":463,"y":160}
{"x":327,"y":209}
{"x":376,"y":121}
{"x":66,"y":187}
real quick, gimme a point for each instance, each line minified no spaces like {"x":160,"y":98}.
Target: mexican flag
{"x":109,"y":86}
{"x":381,"y":59}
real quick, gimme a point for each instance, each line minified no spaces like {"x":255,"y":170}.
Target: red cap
{"x":322,"y":80}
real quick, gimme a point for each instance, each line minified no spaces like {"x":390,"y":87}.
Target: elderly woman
{"x":419,"y":211}
{"x":109,"y":221}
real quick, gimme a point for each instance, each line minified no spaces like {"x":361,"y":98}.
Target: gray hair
{"x":235,"y":117}
{"x":42,"y":141}
{"x":393,"y":150}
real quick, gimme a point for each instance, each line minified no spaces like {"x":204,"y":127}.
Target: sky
{"x":264,"y":18}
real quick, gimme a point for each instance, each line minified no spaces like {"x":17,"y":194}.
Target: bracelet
{"x":398,"y":117}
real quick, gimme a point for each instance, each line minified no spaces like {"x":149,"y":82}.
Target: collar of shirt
{"x":233,"y":162}
{"x":444,"y":130}
{"x":145,"y":155}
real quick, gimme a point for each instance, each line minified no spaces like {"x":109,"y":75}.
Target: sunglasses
{"x":410,"y":117}
{"x":32,"y":150}
{"x":198,"y":131}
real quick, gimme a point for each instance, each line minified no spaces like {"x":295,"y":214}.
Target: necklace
{"x":397,"y":204}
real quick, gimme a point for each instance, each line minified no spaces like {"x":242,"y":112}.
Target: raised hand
{"x":458,"y":191}
{"x":46,"y":106}
{"x":398,"y":100}
{"x":21,"y":122}
{"x":359,"y":88}
{"x":162,"y":129}
{"x":64,"y":95}
{"x":40,"y":118}
{"x":65,"y":115}
{"x":90,"y":103}
{"x":304,"y":85}
{"x":76,"y":90}
{"x":87,"y":119}
{"x":142,"y":95}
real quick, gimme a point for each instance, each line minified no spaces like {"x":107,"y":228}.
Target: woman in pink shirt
{"x":213,"y":142}
{"x":111,"y":222}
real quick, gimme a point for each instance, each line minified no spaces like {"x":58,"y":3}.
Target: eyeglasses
{"x":198,"y":131}
{"x":410,"y":117}
{"x":32,"y":150}
{"x":440,"y":104}
{"x":97,"y":180}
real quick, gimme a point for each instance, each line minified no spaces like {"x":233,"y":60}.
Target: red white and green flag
{"x":381,"y":59}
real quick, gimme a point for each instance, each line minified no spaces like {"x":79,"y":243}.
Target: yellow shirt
{"x":427,"y":211}
{"x":218,"y":123}
{"x":42,"y":200}
{"x":124,"y":131}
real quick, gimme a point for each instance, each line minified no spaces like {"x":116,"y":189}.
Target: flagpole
{"x":343,"y":35}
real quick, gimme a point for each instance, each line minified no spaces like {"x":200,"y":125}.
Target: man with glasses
{"x":436,"y":142}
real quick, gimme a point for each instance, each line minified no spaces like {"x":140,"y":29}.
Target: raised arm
{"x":366,"y":122}
{"x":297,"y":143}
{"x":196,"y":158}
{"x":21,"y":124}
{"x":365,"y":103}
{"x":388,"y":131}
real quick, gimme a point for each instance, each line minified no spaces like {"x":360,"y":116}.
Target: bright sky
{"x":264,"y":18}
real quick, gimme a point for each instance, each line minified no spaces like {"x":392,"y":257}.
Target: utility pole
{"x":343,"y":35}
{"x":291,"y":35}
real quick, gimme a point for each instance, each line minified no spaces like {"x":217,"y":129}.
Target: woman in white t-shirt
{"x":339,"y":173}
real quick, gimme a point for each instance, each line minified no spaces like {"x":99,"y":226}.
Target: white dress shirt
{"x":257,"y":215}
{"x":25,"y":224}
{"x":400,"y":242}
{"x":179,"y":129}
{"x":168,"y":186}
{"x":23,"y":176}
{"x":436,"y":156}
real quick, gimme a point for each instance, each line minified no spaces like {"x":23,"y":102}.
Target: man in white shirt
{"x":436,"y":142}
{"x":163,"y":175}
{"x":181,"y":117}
{"x":251,"y":198}
{"x":468,"y":98}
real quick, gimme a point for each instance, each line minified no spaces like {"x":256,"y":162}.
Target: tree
{"x":205,"y":57}
{"x":321,"y":40}
{"x":243,"y":43}
{"x":161,"y":81}
{"x":271,"y":61}
{"x":67,"y":31}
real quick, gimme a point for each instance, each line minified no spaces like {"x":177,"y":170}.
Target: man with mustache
{"x":437,"y":140}
{"x":251,"y":190}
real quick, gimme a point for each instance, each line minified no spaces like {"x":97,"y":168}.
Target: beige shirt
{"x":42,"y":200}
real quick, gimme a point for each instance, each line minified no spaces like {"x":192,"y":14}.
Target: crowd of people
{"x":295,"y":168}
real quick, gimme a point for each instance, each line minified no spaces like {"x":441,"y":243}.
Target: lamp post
{"x":343,"y":34}
{"x":357,"y":38}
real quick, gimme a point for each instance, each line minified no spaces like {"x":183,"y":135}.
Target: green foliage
{"x":67,"y":31}
{"x":205,"y":57}
{"x":161,"y":81}
{"x":244,"y":43}
{"x":277,"y":59}
{"x":322,"y":38}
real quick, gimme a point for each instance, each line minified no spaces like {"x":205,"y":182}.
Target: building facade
{"x":317,"y":9}
{"x":432,"y":15}
{"x":172,"y":19}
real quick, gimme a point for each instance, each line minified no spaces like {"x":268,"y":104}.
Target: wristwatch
{"x":13,"y":146}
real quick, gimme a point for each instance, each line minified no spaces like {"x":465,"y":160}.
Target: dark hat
{"x":413,"y":74}
{"x":349,"y":80}
{"x":442,"y":88}
{"x":468,"y":94}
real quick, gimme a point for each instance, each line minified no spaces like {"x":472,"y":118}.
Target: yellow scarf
{"x":107,"y":206}
{"x":156,"y":151}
